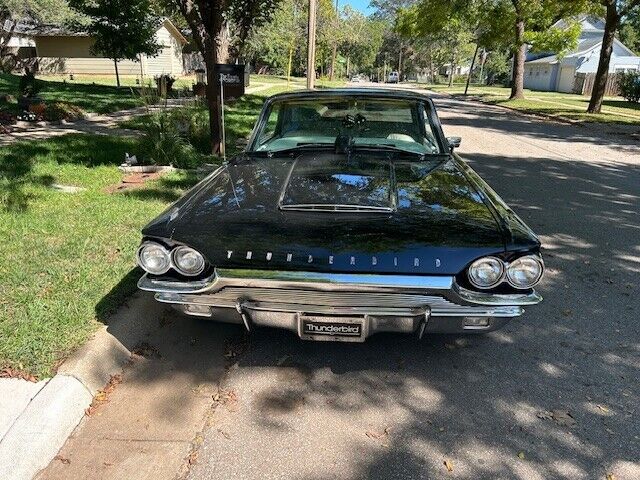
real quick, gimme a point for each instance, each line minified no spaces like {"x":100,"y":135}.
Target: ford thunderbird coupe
{"x":349,"y":213}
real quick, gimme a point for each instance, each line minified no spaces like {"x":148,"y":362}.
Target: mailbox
{"x":234,"y":79}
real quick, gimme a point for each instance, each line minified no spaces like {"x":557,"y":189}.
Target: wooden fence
{"x":583,"y":84}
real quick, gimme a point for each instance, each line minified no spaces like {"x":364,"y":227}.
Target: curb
{"x":42,"y":428}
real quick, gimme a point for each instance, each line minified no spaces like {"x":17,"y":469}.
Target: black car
{"x":349,"y":213}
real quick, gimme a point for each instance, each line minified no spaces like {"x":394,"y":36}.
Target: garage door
{"x":566,"y":80}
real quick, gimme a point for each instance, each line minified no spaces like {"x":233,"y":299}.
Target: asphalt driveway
{"x":553,"y":395}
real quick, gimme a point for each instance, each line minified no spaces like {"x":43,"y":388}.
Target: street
{"x":553,"y":395}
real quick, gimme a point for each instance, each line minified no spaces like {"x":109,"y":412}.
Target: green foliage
{"x":28,"y":85}
{"x":630,"y":30}
{"x":123,"y":29}
{"x":554,"y":40}
{"x":497,"y":66}
{"x":629,"y":84}
{"x":165,"y":142}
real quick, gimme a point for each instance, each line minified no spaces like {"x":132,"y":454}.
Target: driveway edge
{"x":40,"y":431}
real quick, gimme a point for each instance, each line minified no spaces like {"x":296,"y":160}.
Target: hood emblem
{"x":331,"y":259}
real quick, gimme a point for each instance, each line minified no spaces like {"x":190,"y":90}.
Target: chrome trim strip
{"x":330,"y":207}
{"x":443,"y":286}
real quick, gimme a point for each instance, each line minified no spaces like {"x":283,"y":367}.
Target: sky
{"x":362,"y":5}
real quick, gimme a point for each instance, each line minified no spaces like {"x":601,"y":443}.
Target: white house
{"x":59,"y":50}
{"x":545,"y":71}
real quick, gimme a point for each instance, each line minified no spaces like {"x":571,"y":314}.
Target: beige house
{"x":60,"y":51}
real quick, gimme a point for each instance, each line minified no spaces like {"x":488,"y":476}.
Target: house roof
{"x":33,"y":29}
{"x":584,"y":45}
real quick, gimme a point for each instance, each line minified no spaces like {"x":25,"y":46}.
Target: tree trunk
{"x":223,"y":39}
{"x":289,"y":65}
{"x":452,"y":67}
{"x":473,"y":62}
{"x":115,"y":63}
{"x":600,"y":82}
{"x":334,"y":53}
{"x":347,"y":68}
{"x":214,"y":105}
{"x":400,"y":64}
{"x":432,"y":74}
{"x":517,"y":80}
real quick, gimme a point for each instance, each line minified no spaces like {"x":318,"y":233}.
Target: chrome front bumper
{"x":383,"y":303}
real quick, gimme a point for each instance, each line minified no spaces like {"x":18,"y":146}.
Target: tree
{"x":630,"y":30}
{"x":280,"y":42}
{"x":210,"y":30}
{"x":247,"y":15}
{"x":616,"y":9}
{"x":123,"y":29}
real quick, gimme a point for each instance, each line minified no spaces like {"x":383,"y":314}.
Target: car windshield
{"x":401,"y":124}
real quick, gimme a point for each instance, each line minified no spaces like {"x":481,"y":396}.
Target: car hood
{"x":365,"y":212}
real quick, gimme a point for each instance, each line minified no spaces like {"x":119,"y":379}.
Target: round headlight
{"x":486,"y":272}
{"x":188,"y":261}
{"x":154,"y":258}
{"x":525,"y":272}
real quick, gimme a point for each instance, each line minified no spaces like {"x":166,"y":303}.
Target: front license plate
{"x":334,"y":328}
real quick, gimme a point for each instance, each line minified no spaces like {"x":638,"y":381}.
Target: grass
{"x":563,"y":105}
{"x":68,"y":259}
{"x":90,"y":98}
{"x":64,"y":253}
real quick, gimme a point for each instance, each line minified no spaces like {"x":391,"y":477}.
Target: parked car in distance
{"x":349,"y":213}
{"x":394,"y":77}
{"x":359,"y":78}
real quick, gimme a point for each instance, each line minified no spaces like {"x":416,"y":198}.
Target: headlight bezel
{"x":176,"y":264}
{"x":537,"y":259}
{"x":500,"y":278}
{"x":162,"y":248}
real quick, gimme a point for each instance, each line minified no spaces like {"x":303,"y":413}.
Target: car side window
{"x":271,"y":125}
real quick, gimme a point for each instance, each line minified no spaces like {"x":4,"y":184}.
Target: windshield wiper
{"x":284,"y":151}
{"x":387,"y":148}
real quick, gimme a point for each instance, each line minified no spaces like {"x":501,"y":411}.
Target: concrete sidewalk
{"x":146,"y":424}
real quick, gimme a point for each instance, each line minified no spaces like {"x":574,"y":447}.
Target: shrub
{"x":28,"y":85}
{"x":62,"y":111}
{"x":629,"y":84}
{"x":164,"y":144}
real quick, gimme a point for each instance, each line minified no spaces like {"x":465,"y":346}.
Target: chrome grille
{"x":297,"y":300}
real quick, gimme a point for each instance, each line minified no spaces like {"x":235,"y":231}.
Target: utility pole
{"x":311,"y":46}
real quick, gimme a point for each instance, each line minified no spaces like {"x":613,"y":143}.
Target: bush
{"x":62,"y":111}
{"x":629,"y":84}
{"x":28,"y":85}
{"x":163,"y":143}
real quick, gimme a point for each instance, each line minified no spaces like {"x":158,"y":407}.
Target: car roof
{"x":353,"y":92}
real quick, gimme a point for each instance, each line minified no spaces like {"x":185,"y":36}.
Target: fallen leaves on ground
{"x":448,"y":465}
{"x":224,"y":434}
{"x":378,"y":435}
{"x":234,"y":347}
{"x":561,"y":417}
{"x":611,"y":476}
{"x":228,"y":398}
{"x":62,"y":459}
{"x":602,"y":408}
{"x":521,"y":455}
{"x":103,"y":395}
{"x":9,"y":372}
{"x":143,"y":349}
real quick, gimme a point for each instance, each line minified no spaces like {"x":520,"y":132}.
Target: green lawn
{"x":89,"y":97}
{"x":564,"y":105}
{"x":68,"y":259}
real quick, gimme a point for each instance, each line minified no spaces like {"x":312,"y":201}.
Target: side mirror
{"x":454,"y":142}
